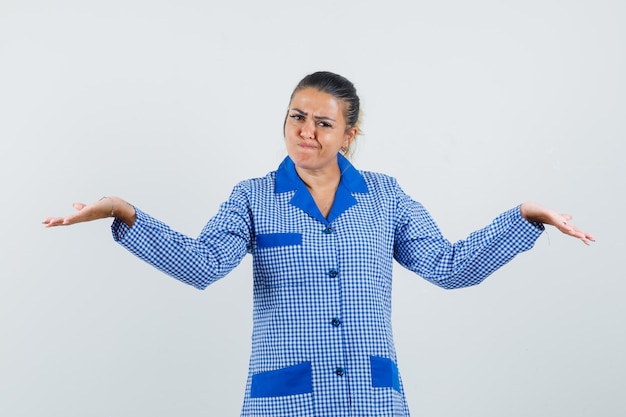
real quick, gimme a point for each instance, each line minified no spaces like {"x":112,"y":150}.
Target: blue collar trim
{"x":352,"y":181}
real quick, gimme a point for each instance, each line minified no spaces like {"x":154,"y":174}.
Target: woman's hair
{"x":339,"y":87}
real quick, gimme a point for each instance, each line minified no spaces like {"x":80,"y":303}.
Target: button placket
{"x":335,"y":321}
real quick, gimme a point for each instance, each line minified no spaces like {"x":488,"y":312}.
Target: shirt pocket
{"x":291,"y":380}
{"x":384,"y":373}
{"x":279,"y":260}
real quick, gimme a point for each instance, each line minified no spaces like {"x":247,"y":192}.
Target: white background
{"x":474,"y":107}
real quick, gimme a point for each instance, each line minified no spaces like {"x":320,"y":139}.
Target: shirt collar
{"x":287,"y":178}
{"x":352,"y":181}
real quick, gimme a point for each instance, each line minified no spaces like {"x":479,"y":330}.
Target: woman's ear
{"x":350,"y":135}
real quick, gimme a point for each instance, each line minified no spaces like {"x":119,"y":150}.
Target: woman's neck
{"x":322,"y":185}
{"x":320,"y":180}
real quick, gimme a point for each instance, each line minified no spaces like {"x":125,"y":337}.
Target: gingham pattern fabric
{"x":322,"y":340}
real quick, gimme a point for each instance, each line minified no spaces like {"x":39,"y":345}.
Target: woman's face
{"x":315,"y":129}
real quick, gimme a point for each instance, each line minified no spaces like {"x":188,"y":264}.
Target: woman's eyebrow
{"x":303,"y":113}
{"x":324,"y":118}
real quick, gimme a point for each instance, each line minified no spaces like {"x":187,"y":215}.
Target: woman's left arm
{"x":420,"y":247}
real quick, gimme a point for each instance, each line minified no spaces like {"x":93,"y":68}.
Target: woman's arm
{"x":420,"y":247}
{"x":199,"y":262}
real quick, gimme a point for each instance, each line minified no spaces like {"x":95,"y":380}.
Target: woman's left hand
{"x":534,"y":212}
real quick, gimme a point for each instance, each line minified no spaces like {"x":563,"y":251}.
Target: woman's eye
{"x":296,"y":117}
{"x":325,"y":124}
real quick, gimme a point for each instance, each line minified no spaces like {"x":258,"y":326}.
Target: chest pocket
{"x":278,"y":259}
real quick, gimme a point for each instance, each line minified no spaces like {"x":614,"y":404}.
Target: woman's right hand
{"x":101,"y":209}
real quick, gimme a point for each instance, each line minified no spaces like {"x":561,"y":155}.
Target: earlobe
{"x":350,"y":136}
{"x":348,"y":139}
{"x":346,"y":144}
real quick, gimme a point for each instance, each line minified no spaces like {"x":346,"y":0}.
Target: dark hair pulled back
{"x":337,"y":86}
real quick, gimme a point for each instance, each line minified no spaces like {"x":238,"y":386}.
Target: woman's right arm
{"x":222,"y":244}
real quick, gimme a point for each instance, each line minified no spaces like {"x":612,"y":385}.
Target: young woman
{"x":323,"y":236}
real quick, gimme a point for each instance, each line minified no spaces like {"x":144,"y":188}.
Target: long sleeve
{"x":220,"y":247}
{"x":421,"y":248}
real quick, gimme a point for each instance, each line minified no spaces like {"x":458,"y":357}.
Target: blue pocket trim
{"x":278,"y":239}
{"x":384,"y":373}
{"x":296,"y":379}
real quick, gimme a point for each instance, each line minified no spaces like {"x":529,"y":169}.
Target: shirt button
{"x":340,"y":371}
{"x":333,"y":273}
{"x":336,"y":322}
{"x":328,"y":230}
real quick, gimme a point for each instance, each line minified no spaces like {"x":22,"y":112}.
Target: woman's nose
{"x":308,"y":130}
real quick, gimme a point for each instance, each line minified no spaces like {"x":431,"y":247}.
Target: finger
{"x":53,"y":221}
{"x":588,"y":238}
{"x":79,"y":206}
{"x":585,"y":237}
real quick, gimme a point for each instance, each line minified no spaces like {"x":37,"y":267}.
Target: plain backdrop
{"x":474,"y":106}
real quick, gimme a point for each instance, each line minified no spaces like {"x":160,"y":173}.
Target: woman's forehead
{"x":316,"y":101}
